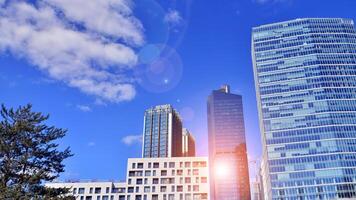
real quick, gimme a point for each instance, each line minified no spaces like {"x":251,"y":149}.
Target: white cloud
{"x":91,"y":144}
{"x":131,"y":139}
{"x":173,"y":17}
{"x":110,"y":17}
{"x":99,"y":102}
{"x":84,"y":108}
{"x":86,"y":44}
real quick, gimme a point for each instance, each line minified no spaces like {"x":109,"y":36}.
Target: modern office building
{"x":188,"y":142}
{"x":93,"y":190}
{"x":162,"y":132}
{"x":305,"y":77}
{"x":179,"y":178}
{"x":229,"y":176}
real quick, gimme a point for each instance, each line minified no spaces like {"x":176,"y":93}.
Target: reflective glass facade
{"x":162,"y":132}
{"x":305,"y":76}
{"x":229,"y":178}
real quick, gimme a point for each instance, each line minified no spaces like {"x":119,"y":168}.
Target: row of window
{"x":303,"y":22}
{"x":302,"y":31}
{"x":305,"y":72}
{"x":348,"y":190}
{"x":309,"y":80}
{"x":296,"y":31}
{"x":178,"y":172}
{"x":104,"y":197}
{"x":322,"y":165}
{"x":309,"y":121}
{"x":152,"y":189}
{"x":310,"y":108}
{"x":305,"y":49}
{"x":320,"y":82}
{"x":309,"y":95}
{"x":315,"y":38}
{"x":198,"y":196}
{"x":344,"y":131}
{"x":170,"y":180}
{"x":312,"y":159}
{"x":302,"y":51}
{"x":185,"y":164}
{"x":98,"y":190}
{"x":305,"y":61}
{"x":319,"y":145}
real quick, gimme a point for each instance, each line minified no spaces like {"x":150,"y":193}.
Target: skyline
{"x":69,"y":107}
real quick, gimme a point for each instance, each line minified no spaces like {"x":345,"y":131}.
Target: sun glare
{"x":222,"y":170}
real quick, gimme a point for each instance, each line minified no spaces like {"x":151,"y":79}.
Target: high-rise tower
{"x":229,"y":177}
{"x":305,"y":77}
{"x":162,"y":132}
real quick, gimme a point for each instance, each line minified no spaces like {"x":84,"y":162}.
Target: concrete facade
{"x":179,"y":178}
{"x":184,"y":178}
{"x":93,"y":190}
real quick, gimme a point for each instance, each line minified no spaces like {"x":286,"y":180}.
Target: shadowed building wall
{"x":188,"y":144}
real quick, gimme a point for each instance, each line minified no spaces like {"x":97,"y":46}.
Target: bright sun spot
{"x":222,"y":170}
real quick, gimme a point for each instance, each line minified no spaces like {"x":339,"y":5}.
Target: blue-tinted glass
{"x":306,"y":89}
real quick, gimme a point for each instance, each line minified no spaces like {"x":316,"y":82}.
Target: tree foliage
{"x":29,"y":155}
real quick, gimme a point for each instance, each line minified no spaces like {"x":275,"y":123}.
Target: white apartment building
{"x":175,"y":178}
{"x":92,"y":190}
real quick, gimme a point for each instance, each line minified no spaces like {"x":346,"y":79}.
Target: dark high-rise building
{"x":188,"y":144}
{"x":229,"y":176}
{"x":162,"y":132}
{"x":305,"y":77}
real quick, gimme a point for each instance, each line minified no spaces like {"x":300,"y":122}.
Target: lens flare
{"x":160,"y":68}
{"x":222,"y":170}
{"x":151,"y":15}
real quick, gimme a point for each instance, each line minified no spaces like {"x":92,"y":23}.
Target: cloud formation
{"x":173,"y":17}
{"x":131,"y":139}
{"x":91,"y":144}
{"x":88,"y":45}
{"x":84,"y":108}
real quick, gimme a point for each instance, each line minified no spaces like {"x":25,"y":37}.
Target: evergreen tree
{"x":29,"y":155}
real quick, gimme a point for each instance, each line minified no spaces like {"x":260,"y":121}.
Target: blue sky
{"x":96,"y":81}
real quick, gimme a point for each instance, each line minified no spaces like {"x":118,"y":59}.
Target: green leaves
{"x":29,"y":154}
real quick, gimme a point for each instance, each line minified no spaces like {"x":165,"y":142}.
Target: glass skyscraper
{"x":228,"y":165}
{"x":305,"y":77}
{"x":162,"y":132}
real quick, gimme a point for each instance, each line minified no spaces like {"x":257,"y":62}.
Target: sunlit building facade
{"x":93,"y":190}
{"x":305,"y":77}
{"x":162,"y":132}
{"x":178,"y":178}
{"x":175,"y":178}
{"x":229,"y":177}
